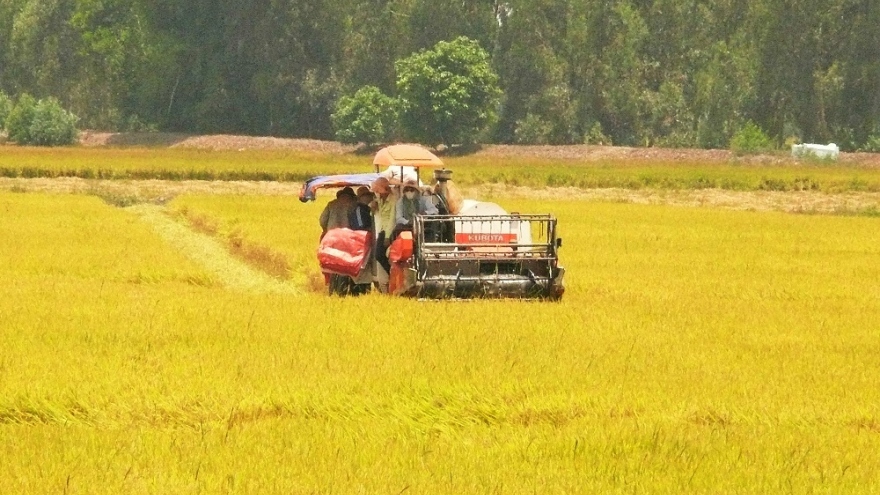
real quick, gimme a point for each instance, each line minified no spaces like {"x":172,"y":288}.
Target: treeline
{"x":629,"y":72}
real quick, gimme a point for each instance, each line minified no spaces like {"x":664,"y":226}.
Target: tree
{"x":120,"y":66}
{"x":428,"y":22}
{"x":41,"y":122}
{"x":52,"y":125}
{"x":18,"y":122}
{"x":750,"y":139}
{"x":530,"y":55}
{"x":447,"y":95}
{"x":725,"y":86}
{"x":366,"y":117}
{"x":42,"y":57}
{"x":5,"y":108}
{"x":622,"y":65}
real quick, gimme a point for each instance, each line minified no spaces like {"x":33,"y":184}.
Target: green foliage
{"x":791,"y":135}
{"x":41,"y":123}
{"x":724,"y":89}
{"x":554,"y":109}
{"x":750,"y":139}
{"x":448,"y":95}
{"x":366,"y":117}
{"x":596,"y":136}
{"x":623,"y":65}
{"x":532,"y":130}
{"x":6,"y":106}
{"x":872,"y":143}
{"x":671,"y":120}
{"x":18,"y":122}
{"x":677,"y":139}
{"x":658,"y":72}
{"x":52,"y":124}
{"x":120,"y":61}
{"x":134,"y":123}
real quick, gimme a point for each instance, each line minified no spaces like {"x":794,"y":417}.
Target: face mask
{"x":410,"y":194}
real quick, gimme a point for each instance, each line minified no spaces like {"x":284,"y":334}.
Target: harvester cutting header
{"x":390,"y":230}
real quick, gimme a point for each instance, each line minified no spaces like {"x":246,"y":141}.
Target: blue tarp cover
{"x":312,"y":185}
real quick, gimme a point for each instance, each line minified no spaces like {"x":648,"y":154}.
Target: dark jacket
{"x":336,"y":213}
{"x":360,"y":218}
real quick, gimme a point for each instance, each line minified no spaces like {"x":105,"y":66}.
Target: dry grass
{"x":262,"y":257}
{"x":273,"y":247}
{"x":258,"y":256}
{"x":200,"y":223}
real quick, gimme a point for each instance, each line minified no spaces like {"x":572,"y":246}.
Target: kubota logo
{"x":479,"y":238}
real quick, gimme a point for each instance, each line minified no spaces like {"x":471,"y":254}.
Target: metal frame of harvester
{"x":489,"y":260}
{"x":468,"y":255}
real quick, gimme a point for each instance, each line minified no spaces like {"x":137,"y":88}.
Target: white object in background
{"x":399,"y":174}
{"x":818,"y":150}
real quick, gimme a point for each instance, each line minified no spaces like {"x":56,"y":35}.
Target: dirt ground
{"x":567,"y":152}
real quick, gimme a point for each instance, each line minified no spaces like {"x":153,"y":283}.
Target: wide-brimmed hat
{"x":410,"y":184}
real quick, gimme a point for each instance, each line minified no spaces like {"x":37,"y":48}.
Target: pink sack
{"x":344,"y":251}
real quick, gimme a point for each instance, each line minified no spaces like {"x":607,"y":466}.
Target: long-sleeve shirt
{"x":385,"y":211}
{"x":426,"y":207}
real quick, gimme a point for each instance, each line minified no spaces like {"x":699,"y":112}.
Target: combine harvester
{"x":479,"y":251}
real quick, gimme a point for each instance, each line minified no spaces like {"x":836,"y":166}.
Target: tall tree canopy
{"x":447,"y":94}
{"x":641,"y":72}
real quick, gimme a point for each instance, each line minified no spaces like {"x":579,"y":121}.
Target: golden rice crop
{"x":667,"y":175}
{"x":297,"y":166}
{"x":281,"y":224}
{"x":170,"y":163}
{"x":696,"y":350}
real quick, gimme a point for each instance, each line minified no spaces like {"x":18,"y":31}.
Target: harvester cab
{"x":470,"y":249}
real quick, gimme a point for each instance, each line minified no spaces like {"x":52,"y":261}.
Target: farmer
{"x":361,"y":218}
{"x":411,"y":204}
{"x":335,"y":214}
{"x":383,"y":207}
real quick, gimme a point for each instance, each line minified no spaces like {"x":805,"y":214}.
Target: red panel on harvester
{"x":397,"y":278}
{"x":402,"y":247}
{"x":344,"y":251}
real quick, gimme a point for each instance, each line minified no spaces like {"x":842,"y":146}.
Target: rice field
{"x":780,"y":174}
{"x":159,"y":348}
